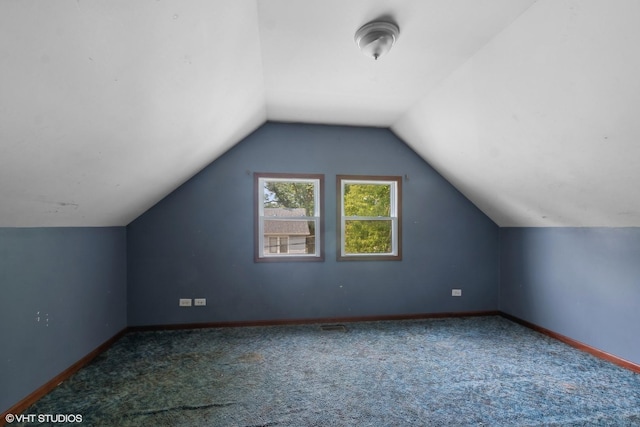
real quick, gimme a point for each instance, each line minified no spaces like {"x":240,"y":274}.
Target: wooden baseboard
{"x":575,"y":343}
{"x":304,"y":321}
{"x":62,"y":376}
{"x":33,"y":397}
{"x":54,"y":382}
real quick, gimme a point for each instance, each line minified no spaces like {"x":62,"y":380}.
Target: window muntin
{"x":369,"y":210}
{"x":288,"y":217}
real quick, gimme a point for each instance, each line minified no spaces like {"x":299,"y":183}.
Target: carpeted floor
{"x":482,"y":371}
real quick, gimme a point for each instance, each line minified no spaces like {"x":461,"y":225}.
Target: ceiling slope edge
{"x":537,"y":129}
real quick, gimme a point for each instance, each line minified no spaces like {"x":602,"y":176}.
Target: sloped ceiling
{"x":107,"y":106}
{"x":541,"y":126}
{"x":528,"y":107}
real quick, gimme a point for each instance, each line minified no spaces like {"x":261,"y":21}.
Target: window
{"x":279,"y":245}
{"x":288,"y":221}
{"x":369,"y":211}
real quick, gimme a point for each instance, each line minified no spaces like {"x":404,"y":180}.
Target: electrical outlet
{"x":456,"y":292}
{"x":185,"y":302}
{"x":200,"y":301}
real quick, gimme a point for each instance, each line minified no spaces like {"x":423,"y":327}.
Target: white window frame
{"x":317,"y":180}
{"x":395,"y":217}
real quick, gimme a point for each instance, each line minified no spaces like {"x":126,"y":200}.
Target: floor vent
{"x":334,"y":328}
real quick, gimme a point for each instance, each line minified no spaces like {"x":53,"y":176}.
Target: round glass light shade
{"x":376,"y":38}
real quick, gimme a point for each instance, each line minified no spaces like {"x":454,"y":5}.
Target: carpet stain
{"x":182,"y":408}
{"x":570,"y":387}
{"x":251,"y":358}
{"x":434,"y":372}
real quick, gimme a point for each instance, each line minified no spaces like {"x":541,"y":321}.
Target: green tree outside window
{"x":369,"y":217}
{"x":370,"y":236}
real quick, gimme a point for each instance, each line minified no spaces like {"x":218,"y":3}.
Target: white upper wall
{"x":528,"y":107}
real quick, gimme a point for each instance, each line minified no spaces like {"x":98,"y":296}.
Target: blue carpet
{"x":481,"y":371}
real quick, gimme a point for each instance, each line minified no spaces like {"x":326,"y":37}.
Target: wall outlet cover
{"x":185,"y":302}
{"x":456,"y":292}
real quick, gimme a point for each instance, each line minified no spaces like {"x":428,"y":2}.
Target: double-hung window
{"x":288,"y":217}
{"x":369,"y":211}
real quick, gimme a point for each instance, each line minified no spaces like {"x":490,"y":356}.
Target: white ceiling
{"x":528,"y":107}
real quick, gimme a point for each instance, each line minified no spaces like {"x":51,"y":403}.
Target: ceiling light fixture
{"x":376,"y":38}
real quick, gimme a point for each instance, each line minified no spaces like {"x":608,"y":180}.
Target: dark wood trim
{"x":256,"y":217}
{"x":368,"y":257}
{"x":54,"y":382}
{"x":575,"y":343}
{"x":62,"y":376}
{"x":315,"y":320}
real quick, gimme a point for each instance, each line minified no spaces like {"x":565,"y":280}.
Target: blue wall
{"x":198,"y":241}
{"x":63,"y":294}
{"x":67,"y":290}
{"x":583,"y":283}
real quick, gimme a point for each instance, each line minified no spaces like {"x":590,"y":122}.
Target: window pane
{"x":297,"y":197}
{"x":367,"y":199}
{"x":368,"y":237}
{"x":284,"y":245}
{"x":288,"y":214}
{"x":273,"y":245}
{"x":293,"y":236}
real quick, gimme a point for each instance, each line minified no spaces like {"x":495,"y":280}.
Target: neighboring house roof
{"x":284,"y":227}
